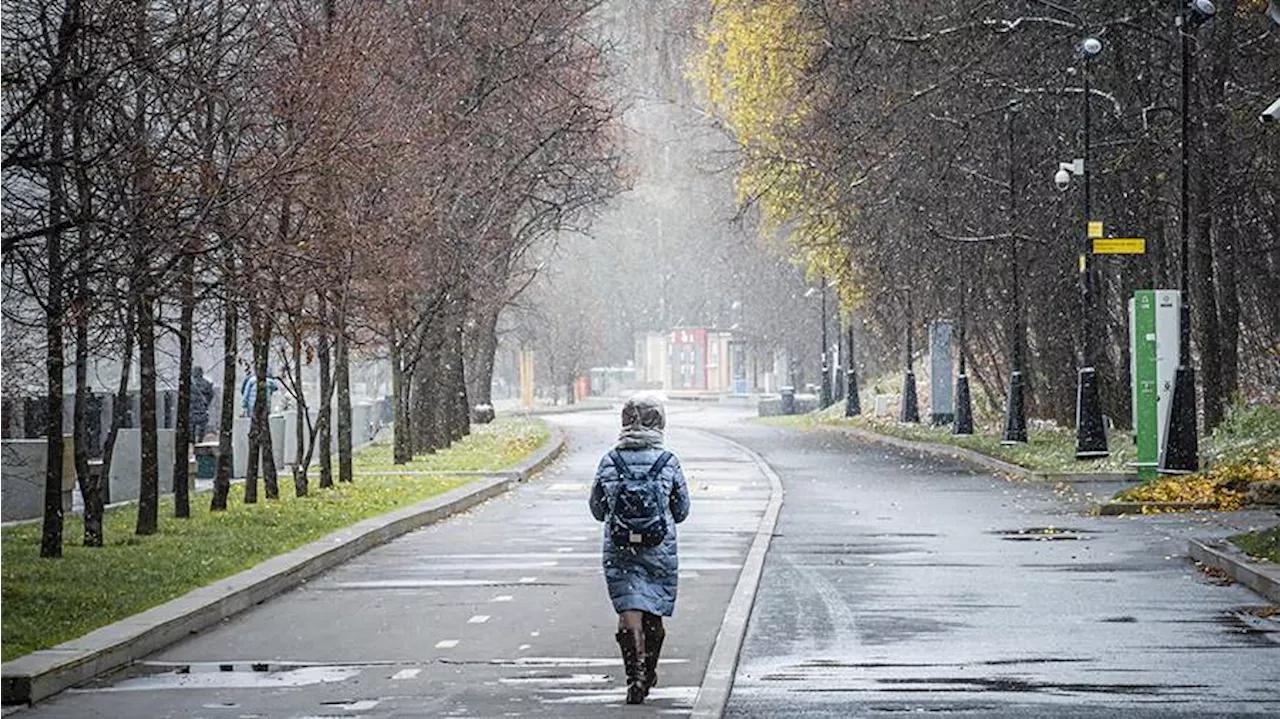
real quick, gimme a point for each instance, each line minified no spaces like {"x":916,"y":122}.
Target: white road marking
{"x":447,"y":644}
{"x":524,"y":647}
{"x":359,"y":706}
{"x":425,"y":583}
{"x":502,"y":598}
{"x":528,"y":580}
{"x":478,"y":619}
{"x":406,"y":674}
{"x":564,"y":550}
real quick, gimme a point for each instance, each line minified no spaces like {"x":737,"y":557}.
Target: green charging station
{"x":1154,"y":324}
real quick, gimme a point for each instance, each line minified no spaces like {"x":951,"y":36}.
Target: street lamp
{"x":826,"y":352}
{"x":963,"y":426}
{"x":1091,"y":435}
{"x":910,"y":410}
{"x":1015,"y":416}
{"x":852,"y":405}
{"x":1181,"y":450}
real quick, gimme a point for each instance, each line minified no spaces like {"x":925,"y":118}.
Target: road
{"x":893,"y":585}
{"x":900,"y":585}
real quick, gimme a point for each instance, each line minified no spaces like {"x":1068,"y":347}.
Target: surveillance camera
{"x":1062,"y":179}
{"x":1271,"y":114}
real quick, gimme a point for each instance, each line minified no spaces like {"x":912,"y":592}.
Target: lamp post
{"x":853,"y":404}
{"x":910,"y":410}
{"x":1181,"y":450}
{"x":1091,"y":435}
{"x":825,"y":398}
{"x":963,"y":426}
{"x":1015,"y":416}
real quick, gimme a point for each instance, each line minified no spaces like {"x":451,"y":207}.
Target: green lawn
{"x":1264,"y":543}
{"x":1045,"y":450}
{"x":46,"y":602}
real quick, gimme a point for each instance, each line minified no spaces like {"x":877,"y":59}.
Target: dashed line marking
{"x":406,"y":674}
{"x":502,"y":598}
{"x":528,"y":580}
{"x":447,"y":644}
{"x":478,"y":619}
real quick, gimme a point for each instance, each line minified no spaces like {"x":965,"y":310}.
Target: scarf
{"x":637,"y":437}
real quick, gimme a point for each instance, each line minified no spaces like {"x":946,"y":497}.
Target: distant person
{"x":249,"y":388}
{"x":640,"y":494}
{"x":201,"y":397}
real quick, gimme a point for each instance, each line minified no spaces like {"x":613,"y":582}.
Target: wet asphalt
{"x":899,"y":585}
{"x":894,"y":585}
{"x":500,"y":611}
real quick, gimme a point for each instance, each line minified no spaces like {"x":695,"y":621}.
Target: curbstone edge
{"x":1261,"y":577}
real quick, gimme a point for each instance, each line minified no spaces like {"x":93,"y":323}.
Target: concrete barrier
{"x":125,"y":479}
{"x":887,"y":405}
{"x":22,"y":477}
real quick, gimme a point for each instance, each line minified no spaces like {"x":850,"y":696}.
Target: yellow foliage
{"x":756,"y":57}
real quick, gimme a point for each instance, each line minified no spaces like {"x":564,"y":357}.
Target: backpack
{"x":638,"y":516}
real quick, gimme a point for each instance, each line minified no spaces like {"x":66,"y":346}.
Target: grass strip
{"x":1262,"y":544}
{"x":1046,"y":450}
{"x":47,"y":602}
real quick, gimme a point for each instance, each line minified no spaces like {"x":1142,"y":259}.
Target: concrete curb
{"x":977,"y":458}
{"x":717,"y":682}
{"x":1261,"y":577}
{"x":43,"y":673}
{"x":589,"y":406}
{"x":1117,"y":509}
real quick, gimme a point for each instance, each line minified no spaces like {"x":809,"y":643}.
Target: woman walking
{"x":640,"y":494}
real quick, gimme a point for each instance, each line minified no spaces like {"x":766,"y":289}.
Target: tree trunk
{"x":461,"y":425}
{"x":149,"y":480}
{"x":182,"y":423}
{"x":480,"y":361}
{"x":1209,"y":166}
{"x":324,"y":434}
{"x":426,"y":403}
{"x":120,"y":403}
{"x":255,"y":410}
{"x":1229,"y":299}
{"x":90,"y":485}
{"x":402,"y":445}
{"x":227,"y":413}
{"x":342,"y":378}
{"x":302,"y":423}
{"x":262,"y":406}
{"x":51,"y":530}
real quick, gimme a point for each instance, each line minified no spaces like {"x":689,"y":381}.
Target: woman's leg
{"x":654,"y":634}
{"x":632,"y":643}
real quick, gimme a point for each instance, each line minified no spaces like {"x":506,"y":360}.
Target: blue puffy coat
{"x":641,"y":578}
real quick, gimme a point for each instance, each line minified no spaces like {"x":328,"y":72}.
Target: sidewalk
{"x":500,"y":608}
{"x":1204,"y":532}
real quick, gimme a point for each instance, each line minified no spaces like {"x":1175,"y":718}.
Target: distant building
{"x":696,"y":359}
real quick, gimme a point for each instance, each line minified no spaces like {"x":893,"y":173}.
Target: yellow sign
{"x":1095,"y":230}
{"x":1120,"y":246}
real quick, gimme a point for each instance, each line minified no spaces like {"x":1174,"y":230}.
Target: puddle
{"x":558,"y":679}
{"x":1015,"y":685}
{"x":555,"y":662}
{"x":230,"y":676}
{"x":1261,"y":624}
{"x":1041,"y":534}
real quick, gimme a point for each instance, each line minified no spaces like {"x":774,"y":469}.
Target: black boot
{"x":633,"y":660}
{"x":654,"y":634}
